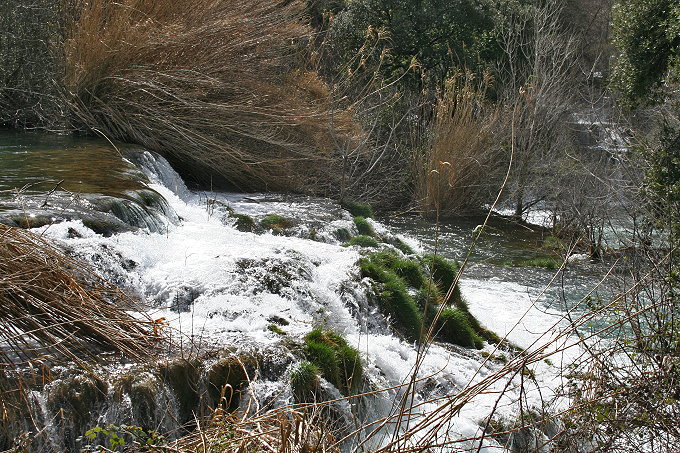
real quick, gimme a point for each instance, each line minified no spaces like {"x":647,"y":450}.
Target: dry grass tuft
{"x":219,"y":86}
{"x":285,"y":430}
{"x":54,"y":306}
{"x":460,"y":169}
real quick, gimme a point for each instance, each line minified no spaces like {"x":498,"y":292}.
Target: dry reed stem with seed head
{"x":461,"y":167}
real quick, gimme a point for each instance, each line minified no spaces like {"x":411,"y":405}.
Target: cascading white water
{"x":213,"y":284}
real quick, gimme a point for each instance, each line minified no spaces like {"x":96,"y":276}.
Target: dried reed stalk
{"x":220,"y":86}
{"x":285,"y":430}
{"x":461,"y":168}
{"x":55,"y":306}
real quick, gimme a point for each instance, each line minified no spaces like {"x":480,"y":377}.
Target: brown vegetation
{"x":55,"y":306}
{"x":462,"y":165}
{"x":220,"y":87}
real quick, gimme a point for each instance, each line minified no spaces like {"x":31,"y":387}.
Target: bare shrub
{"x":220,"y":87}
{"x":461,"y":167}
{"x":536,"y":69}
{"x":29,"y":63}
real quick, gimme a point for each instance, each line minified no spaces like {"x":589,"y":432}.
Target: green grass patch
{"x":358,"y":209}
{"x":343,"y":234}
{"x":364,"y":241}
{"x":454,"y":327}
{"x":304,"y":381}
{"x":540,"y":261}
{"x":363,"y":227}
{"x":553,"y":243}
{"x":338,"y":362}
{"x":276,"y":223}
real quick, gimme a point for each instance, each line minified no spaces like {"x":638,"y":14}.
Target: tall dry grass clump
{"x":220,"y":87}
{"x":55,"y":307}
{"x":460,"y":168}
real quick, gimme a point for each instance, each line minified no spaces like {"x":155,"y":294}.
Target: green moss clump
{"x":444,"y":275}
{"x":276,"y":329}
{"x":343,"y":234}
{"x":455,"y":328}
{"x":393,"y":297}
{"x":338,"y":362}
{"x":358,"y":209}
{"x":394,"y":276}
{"x":364,"y":241}
{"x":410,"y":271}
{"x":304,"y":381}
{"x":244,"y":222}
{"x":363,"y":226}
{"x":428,"y":298}
{"x":276,"y":223}
{"x":540,"y":261}
{"x":400,"y":245}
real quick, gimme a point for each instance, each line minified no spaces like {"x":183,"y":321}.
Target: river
{"x":214,"y":286}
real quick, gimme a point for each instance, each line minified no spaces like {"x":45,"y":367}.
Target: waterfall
{"x":219,"y":289}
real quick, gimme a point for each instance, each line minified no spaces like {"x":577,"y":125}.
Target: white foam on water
{"x":213,"y":282}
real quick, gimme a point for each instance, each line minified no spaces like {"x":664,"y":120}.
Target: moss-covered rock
{"x":358,"y":209}
{"x":406,"y":292}
{"x":243,"y":222}
{"x":364,"y":241}
{"x":276,"y":223}
{"x":338,"y":362}
{"x":455,"y":328}
{"x":443,"y":273}
{"x":76,"y":399}
{"x":226,"y":379}
{"x":400,"y":245}
{"x":142,"y":388}
{"x":343,"y":234}
{"x":393,"y":296}
{"x":363,"y":227}
{"x":182,"y":376}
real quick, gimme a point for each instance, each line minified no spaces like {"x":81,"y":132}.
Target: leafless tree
{"x":537,"y":85}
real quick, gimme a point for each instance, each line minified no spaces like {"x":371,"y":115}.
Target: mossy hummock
{"x":338,"y":362}
{"x":411,"y":292}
